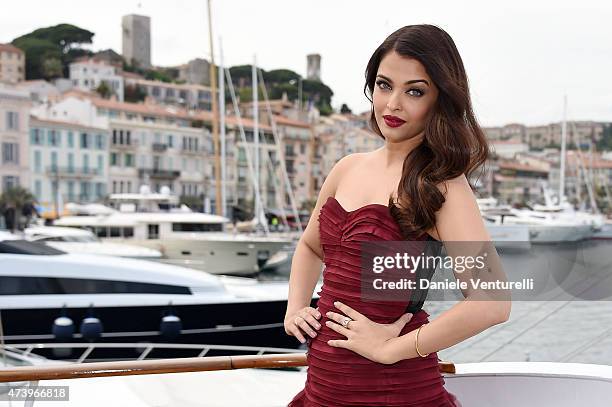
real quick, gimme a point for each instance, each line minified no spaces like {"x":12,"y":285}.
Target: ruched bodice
{"x":340,"y":377}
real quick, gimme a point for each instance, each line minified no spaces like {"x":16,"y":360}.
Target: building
{"x":12,"y":64}
{"x":40,"y":90}
{"x":88,"y":74}
{"x":188,"y":96}
{"x":507,"y":148}
{"x":136,"y":40}
{"x":313,"y":67}
{"x":518,"y":182}
{"x":68,"y":162}
{"x":196,"y":71}
{"x":14,"y":124}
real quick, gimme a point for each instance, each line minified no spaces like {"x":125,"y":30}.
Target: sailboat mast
{"x":256,"y":132}
{"x":222,"y":124}
{"x":215,"y":113}
{"x":562,"y":158}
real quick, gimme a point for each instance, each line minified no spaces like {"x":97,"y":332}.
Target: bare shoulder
{"x":459,"y":218}
{"x":346,"y":164}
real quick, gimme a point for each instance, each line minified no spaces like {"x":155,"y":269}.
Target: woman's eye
{"x":417,"y":92}
{"x":382,"y":84}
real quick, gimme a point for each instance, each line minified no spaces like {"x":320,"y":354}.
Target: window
{"x":84,"y":140}
{"x":129,"y":160}
{"x":70,"y":162}
{"x":71,"y":190}
{"x":170,"y":141}
{"x":10,"y":285}
{"x":100,"y":165}
{"x":114,"y":136}
{"x":70,"y":139}
{"x":153,"y":231}
{"x":197,"y":227}
{"x":114,"y":159}
{"x":9,"y":182}
{"x":54,"y":161}
{"x":86,"y":163}
{"x":12,"y":121}
{"x":128,"y":136}
{"x":53,"y":138}
{"x":36,"y":137}
{"x":100,"y":142}
{"x":10,"y":153}
{"x":302,"y":148}
{"x":37,"y":161}
{"x":38,"y":189}
{"x":99,"y":189}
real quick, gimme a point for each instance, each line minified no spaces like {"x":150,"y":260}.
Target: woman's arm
{"x":458,"y":220}
{"x":307,"y":262}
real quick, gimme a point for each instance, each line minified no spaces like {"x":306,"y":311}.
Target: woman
{"x":415,"y":188}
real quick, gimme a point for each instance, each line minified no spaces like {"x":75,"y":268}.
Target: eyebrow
{"x":407,"y":82}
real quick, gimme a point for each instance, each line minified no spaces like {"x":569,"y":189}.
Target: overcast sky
{"x":520,"y":56}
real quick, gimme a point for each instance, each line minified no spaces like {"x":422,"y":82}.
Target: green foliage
{"x":605,"y":142}
{"x":345,"y":109}
{"x":104,"y":90}
{"x":154,"y":75}
{"x":46,"y":47}
{"x":134,"y":94}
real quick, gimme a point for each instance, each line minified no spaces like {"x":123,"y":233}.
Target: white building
{"x":68,"y":162}
{"x":186,"y":95}
{"x":88,"y":74}
{"x":14,"y":123}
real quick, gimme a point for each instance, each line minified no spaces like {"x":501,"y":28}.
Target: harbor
{"x":151,"y":204}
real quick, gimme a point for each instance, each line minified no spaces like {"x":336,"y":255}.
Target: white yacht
{"x":46,"y":295}
{"x":185,"y":238}
{"x":542,"y":226}
{"x":74,"y":240}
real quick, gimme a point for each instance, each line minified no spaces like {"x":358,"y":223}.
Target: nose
{"x":393,"y":103}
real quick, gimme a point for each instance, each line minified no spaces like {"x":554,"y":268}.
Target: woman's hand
{"x":364,"y":336}
{"x":302,"y":322}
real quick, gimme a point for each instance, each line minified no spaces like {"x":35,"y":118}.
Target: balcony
{"x":72,"y":172}
{"x":159,"y":147}
{"x":156,"y":173}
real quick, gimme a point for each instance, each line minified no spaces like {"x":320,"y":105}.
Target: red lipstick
{"x":393,"y":121}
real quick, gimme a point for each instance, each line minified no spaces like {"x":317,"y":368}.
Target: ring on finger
{"x":345,"y":322}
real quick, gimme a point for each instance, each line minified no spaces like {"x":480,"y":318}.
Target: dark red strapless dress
{"x":340,"y":377}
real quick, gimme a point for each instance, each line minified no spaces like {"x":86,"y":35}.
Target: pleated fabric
{"x":341,"y":377}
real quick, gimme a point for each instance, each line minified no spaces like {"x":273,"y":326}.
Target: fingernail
{"x":318,"y":326}
{"x":318,"y":315}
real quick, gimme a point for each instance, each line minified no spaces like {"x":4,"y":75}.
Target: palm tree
{"x":12,"y":203}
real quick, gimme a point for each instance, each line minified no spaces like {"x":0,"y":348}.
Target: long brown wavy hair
{"x":453,"y":142}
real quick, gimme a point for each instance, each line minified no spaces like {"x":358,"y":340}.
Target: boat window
{"x":101,"y":232}
{"x":153,"y":231}
{"x":115,"y":232}
{"x":197,"y":227}
{"x":12,"y":285}
{"x":128,"y":232}
{"x":25,"y":247}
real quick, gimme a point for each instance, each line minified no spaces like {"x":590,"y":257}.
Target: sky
{"x":521,"y":56}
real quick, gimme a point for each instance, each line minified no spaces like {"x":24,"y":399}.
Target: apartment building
{"x":14,"y":124}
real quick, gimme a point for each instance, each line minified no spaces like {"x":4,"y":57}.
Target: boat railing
{"x":280,"y":358}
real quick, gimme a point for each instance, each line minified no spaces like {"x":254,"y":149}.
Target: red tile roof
{"x":10,"y":48}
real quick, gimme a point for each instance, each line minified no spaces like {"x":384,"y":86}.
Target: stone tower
{"x":313,"y":67}
{"x":136,"y":35}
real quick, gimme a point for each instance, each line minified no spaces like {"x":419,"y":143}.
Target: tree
{"x":44,"y":47}
{"x":12,"y":204}
{"x":345,"y":109}
{"x":134,"y":94}
{"x":104,"y":90}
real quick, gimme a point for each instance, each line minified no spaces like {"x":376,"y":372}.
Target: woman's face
{"x":404,"y":97}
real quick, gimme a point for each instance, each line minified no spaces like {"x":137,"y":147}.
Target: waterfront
{"x":561,"y":330}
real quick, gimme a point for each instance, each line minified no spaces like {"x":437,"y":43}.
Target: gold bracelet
{"x":416,"y":342}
